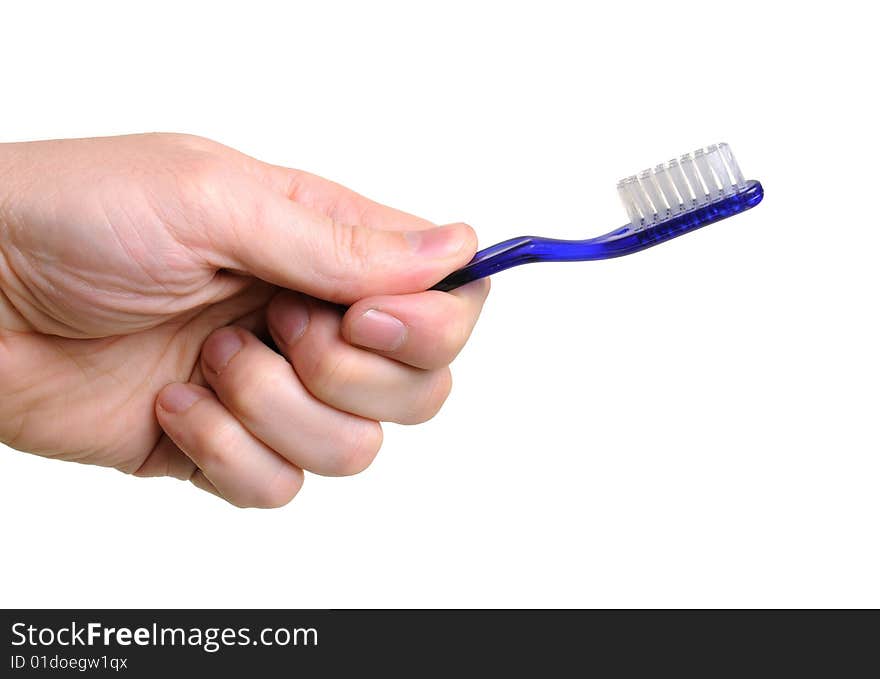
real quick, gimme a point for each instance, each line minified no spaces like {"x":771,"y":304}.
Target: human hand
{"x":141,"y":276}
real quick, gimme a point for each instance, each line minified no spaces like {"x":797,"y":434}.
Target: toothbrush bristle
{"x":680,"y":185}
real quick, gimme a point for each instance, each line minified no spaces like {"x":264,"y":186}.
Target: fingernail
{"x":378,"y":330}
{"x":443,"y":241}
{"x":291,"y":319}
{"x":220,"y":348}
{"x":177,"y":398}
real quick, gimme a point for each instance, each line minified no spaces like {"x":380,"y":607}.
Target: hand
{"x":141,"y":278}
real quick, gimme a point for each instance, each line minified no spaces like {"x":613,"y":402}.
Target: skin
{"x":143,"y":279}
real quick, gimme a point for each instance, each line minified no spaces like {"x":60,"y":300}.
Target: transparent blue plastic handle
{"x":623,"y":241}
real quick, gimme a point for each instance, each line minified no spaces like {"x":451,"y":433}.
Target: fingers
{"x":296,"y":247}
{"x":307,"y":332}
{"x":425,"y":330}
{"x":232,"y":462}
{"x":262,"y":392}
{"x":250,"y":441}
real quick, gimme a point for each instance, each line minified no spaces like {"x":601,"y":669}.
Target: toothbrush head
{"x":686,"y":193}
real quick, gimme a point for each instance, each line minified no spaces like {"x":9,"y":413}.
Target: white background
{"x":695,"y":425}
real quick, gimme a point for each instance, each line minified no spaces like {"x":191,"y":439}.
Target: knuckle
{"x":351,"y":258}
{"x":454,"y":339}
{"x":324,"y":373}
{"x":249,"y":395}
{"x":359,"y":446}
{"x":431,"y":399}
{"x":214,"y":444}
{"x":352,"y":244}
{"x":199,"y":173}
{"x":189,"y":141}
{"x":279,"y":491}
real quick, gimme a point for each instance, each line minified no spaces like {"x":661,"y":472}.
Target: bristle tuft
{"x":686,"y":183}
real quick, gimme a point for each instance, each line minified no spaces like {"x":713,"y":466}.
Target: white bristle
{"x":632,"y":210}
{"x":682,"y":184}
{"x":661,"y":176}
{"x":637,"y":195}
{"x":732,"y":165}
{"x":713,"y":156}
{"x":693,"y":179}
{"x":706,"y":174}
{"x":632,"y":196}
{"x":646,"y":179}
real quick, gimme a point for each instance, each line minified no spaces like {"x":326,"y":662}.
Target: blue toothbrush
{"x":673,"y":198}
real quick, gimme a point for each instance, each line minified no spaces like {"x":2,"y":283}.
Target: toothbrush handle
{"x":518,"y":251}
{"x":487,"y":262}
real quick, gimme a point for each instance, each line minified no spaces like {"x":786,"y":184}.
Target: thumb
{"x":301,"y":249}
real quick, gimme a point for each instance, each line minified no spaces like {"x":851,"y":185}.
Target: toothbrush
{"x":672,"y":199}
